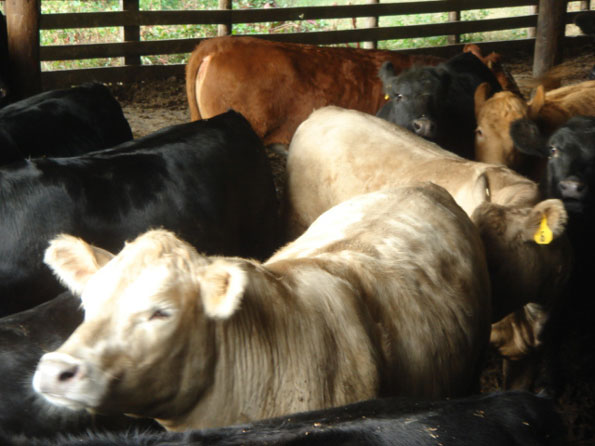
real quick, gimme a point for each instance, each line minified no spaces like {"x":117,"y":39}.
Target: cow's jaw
{"x":69,"y":382}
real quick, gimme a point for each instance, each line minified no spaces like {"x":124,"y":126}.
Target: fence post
{"x":131,"y":33}
{"x":531,"y":32}
{"x":224,"y":29}
{"x":371,"y":22}
{"x":22,"y":24}
{"x":549,"y":34}
{"x":454,"y":16}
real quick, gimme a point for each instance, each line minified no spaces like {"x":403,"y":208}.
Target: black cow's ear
{"x":527,"y":138}
{"x":386,"y":72}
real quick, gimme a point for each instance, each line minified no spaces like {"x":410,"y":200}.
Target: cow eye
{"x":159,"y":314}
{"x":554,"y":152}
{"x":398,"y":97}
{"x":478,"y":132}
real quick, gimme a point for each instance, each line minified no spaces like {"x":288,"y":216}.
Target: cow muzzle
{"x":424,"y":127}
{"x":574,"y":192}
{"x":66,"y":381}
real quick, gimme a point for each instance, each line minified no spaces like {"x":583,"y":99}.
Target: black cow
{"x":5,"y":83}
{"x":570,"y":176}
{"x":586,"y":22}
{"x":64,"y":122}
{"x":436,"y":102}
{"x":208,"y":181}
{"x":24,"y":337}
{"x":499,"y":419}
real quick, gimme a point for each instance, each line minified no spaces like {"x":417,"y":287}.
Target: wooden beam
{"x":370,"y":22}
{"x":22,"y":23}
{"x":551,"y":23}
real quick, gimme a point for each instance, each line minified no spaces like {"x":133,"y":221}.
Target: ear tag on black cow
{"x":544,"y":235}
{"x":386,"y":97}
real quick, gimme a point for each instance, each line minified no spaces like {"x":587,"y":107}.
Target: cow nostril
{"x":68,"y":374}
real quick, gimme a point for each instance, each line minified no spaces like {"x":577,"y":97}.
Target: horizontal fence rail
{"x":132,"y":19}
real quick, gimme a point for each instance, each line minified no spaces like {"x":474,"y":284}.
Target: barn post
{"x":371,"y":22}
{"x":131,"y":33}
{"x":454,"y":16}
{"x":549,"y":34}
{"x":224,"y":29}
{"x":22,"y":23}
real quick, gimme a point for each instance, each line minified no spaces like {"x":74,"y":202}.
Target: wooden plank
{"x":548,"y":35}
{"x":73,"y":52}
{"x":202,"y":17}
{"x":370,"y":22}
{"x":22,"y":23}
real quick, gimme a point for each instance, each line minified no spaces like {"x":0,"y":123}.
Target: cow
{"x":436,"y":102}
{"x":61,"y":123}
{"x":24,"y":338}
{"x":570,"y":176}
{"x":5,"y":79}
{"x":208,"y":181}
{"x":338,"y":153}
{"x":496,"y":419}
{"x":549,"y":110}
{"x":356,"y":308}
{"x":276,"y":85}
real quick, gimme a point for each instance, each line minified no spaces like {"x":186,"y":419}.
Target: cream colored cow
{"x":338,"y":153}
{"x":385,"y":294}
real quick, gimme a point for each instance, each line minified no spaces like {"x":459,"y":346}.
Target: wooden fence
{"x":131,"y":19}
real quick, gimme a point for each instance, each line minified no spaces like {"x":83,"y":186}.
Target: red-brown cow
{"x":277,"y":85}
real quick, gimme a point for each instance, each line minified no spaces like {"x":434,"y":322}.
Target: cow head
{"x":570,"y":153}
{"x":494,"y":114}
{"x":146,"y":344}
{"x":524,"y":268}
{"x":414,"y":98}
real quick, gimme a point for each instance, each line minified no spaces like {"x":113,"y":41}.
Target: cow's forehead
{"x":134,"y":284}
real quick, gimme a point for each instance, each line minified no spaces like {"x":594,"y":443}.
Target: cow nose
{"x":572,"y":188}
{"x":424,"y":127}
{"x":56,"y":372}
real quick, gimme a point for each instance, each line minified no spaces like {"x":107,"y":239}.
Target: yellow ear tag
{"x":544,"y":235}
{"x":386,"y":97}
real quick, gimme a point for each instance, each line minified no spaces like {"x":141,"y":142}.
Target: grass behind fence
{"x":163,"y":32}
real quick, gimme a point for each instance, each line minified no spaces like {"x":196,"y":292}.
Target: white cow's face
{"x":146,"y":344}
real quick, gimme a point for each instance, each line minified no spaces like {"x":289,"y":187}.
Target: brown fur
{"x":277,"y":85}
{"x":355,"y":308}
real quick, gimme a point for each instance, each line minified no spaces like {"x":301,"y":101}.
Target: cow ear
{"x":527,"y":138}
{"x":536,"y":104}
{"x":550,"y":213}
{"x":482,"y":93}
{"x":222,"y":286}
{"x":386,"y":73}
{"x":74,"y":261}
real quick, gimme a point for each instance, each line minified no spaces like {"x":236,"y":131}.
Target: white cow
{"x":338,"y":153}
{"x":385,"y":294}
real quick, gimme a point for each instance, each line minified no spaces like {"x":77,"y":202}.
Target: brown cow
{"x":338,"y":153}
{"x":357,"y":307}
{"x":277,"y":85}
{"x":549,"y":110}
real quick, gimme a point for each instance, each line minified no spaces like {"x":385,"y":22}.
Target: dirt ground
{"x":152,"y":105}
